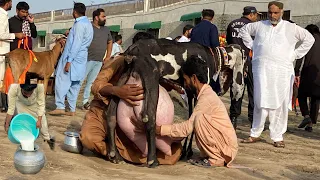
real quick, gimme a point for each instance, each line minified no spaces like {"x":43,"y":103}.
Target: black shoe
{"x":305,"y":122}
{"x":308,"y":128}
{"x":234,"y":122}
{"x":51,"y":143}
{"x":86,"y":106}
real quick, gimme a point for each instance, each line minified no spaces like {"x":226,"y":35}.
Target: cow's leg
{"x":111,"y":118}
{"x":150,"y":81}
{"x":187,"y":152}
{"x":45,"y":84}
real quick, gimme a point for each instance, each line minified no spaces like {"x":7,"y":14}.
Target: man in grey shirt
{"x":102,"y":42}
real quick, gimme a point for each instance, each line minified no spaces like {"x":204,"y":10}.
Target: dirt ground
{"x":299,"y":160}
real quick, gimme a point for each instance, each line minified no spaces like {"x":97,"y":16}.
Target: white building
{"x":166,"y":18}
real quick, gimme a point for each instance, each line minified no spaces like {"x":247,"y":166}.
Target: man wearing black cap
{"x":250,"y":14}
{"x":29,"y":98}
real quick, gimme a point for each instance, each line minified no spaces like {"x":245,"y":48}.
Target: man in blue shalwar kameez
{"x":72,"y":64}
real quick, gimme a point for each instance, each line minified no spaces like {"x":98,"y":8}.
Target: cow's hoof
{"x":153,"y":163}
{"x":115,"y":158}
{"x":183,"y":155}
{"x":189,"y":154}
{"x":145,"y":119}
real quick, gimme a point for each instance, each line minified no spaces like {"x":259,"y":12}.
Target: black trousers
{"x":235,"y":107}
{"x":3,"y":102}
{"x":314,"y":107}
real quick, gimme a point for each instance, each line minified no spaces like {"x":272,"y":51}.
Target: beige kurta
{"x":214,"y":133}
{"x":34,"y":105}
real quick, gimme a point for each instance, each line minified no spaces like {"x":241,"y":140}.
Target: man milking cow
{"x":93,"y":131}
{"x":214,"y":133}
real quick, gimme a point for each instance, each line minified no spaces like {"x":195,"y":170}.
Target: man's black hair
{"x":97,"y":13}
{"x":28,"y":86}
{"x":117,"y":38}
{"x":208,"y":13}
{"x":196,"y":66}
{"x":187,"y":28}
{"x":80,"y":8}
{"x":22,"y":6}
{"x":4,"y":2}
{"x":313,"y":29}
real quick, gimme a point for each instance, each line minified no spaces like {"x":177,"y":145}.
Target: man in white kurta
{"x":5,"y":39}
{"x":273,"y":72}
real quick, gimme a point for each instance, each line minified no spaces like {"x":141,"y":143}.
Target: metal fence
{"x":120,"y":7}
{"x":114,"y":8}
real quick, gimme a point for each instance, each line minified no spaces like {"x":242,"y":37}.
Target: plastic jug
{"x":22,"y":127}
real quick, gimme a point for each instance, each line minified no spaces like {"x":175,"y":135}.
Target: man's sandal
{"x":279,"y":144}
{"x":251,"y":140}
{"x":201,"y":163}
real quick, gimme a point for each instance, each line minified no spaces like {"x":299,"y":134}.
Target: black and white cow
{"x":159,"y":61}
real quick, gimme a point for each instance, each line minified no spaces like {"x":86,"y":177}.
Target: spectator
{"x":186,"y":33}
{"x":206,"y":33}
{"x":22,"y":22}
{"x":72,"y":64}
{"x":100,"y":45}
{"x":5,"y":37}
{"x":310,"y":82}
{"x":274,"y":50}
{"x":250,"y":14}
{"x":116,"y":48}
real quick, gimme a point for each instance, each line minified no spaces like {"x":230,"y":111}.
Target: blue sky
{"x":48,"y":5}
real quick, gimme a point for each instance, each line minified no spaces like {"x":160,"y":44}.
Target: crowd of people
{"x":92,"y":54}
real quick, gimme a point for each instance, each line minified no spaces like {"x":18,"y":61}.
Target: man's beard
{"x":9,"y":8}
{"x":274,"y":21}
{"x":101,"y":23}
{"x":193,"y":90}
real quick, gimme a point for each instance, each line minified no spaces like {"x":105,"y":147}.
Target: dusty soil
{"x":299,"y":160}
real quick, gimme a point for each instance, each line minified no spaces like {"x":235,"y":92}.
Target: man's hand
{"x":38,"y":124}
{"x":67,"y":67}
{"x":30,"y":18}
{"x":158,"y":130}
{"x":7,"y":122}
{"x":19,"y":35}
{"x":130,"y":93}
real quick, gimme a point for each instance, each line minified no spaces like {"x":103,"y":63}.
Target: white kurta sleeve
{"x":41,"y":100}
{"x":4,"y":35}
{"x":307,"y":40}
{"x":246,"y":33}
{"x":12,"y":98}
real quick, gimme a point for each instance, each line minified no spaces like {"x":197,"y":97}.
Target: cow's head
{"x":142,"y":35}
